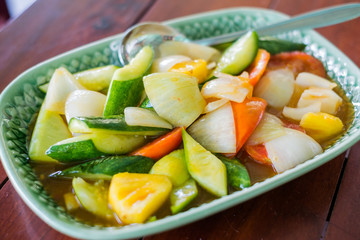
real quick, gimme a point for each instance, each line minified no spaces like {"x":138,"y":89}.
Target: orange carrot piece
{"x":258,"y":66}
{"x":161,"y":146}
{"x":247,"y":116}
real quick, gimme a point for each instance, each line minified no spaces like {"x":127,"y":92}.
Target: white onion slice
{"x":212,"y":106}
{"x":226,"y":87}
{"x":216,"y":130}
{"x":84,"y":103}
{"x":291,"y":149}
{"x":298,"y":113}
{"x":164,"y":64}
{"x":135,"y":116}
{"x":330,"y":101}
{"x":269,"y":128}
{"x":276,"y":87}
{"x":307,"y":80}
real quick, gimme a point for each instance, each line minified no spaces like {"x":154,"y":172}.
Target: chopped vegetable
{"x":84,"y":103}
{"x":90,"y":146}
{"x":297,"y":62}
{"x":173,"y":166}
{"x":182,"y":195}
{"x":330,"y":101}
{"x":111,"y":125}
{"x":276,"y":87}
{"x":275,"y":45}
{"x":227,"y":87}
{"x":247,"y":116}
{"x":135,"y":197}
{"x":204,"y":167}
{"x":239,"y":55}
{"x":212,"y":106}
{"x":70,"y":201}
{"x":196,"y":68}
{"x":49,"y":129}
{"x":93,"y":197}
{"x":307,"y":80}
{"x":175,"y":97}
{"x":135,"y":116}
{"x":164,"y":64}
{"x":321,"y":126}
{"x":237,"y":175}
{"x":215,"y":131}
{"x":298,"y":113}
{"x":96,"y":79}
{"x":126,"y":88}
{"x":258,"y":66}
{"x":161,"y":146}
{"x":104,"y":168}
{"x":61,"y":84}
{"x":258,"y":153}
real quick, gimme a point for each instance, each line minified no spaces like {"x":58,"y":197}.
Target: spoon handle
{"x":315,"y":19}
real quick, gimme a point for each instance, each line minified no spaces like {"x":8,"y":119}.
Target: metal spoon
{"x":152,"y":33}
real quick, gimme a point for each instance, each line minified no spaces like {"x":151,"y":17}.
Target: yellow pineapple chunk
{"x":321,"y":126}
{"x":135,"y":197}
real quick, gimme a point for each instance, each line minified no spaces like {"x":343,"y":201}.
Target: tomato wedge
{"x":258,"y":153}
{"x":258,"y":66}
{"x":247,"y":116}
{"x":161,"y":146}
{"x":297,"y":62}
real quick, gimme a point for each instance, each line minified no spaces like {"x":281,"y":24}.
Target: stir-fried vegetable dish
{"x":176,"y":129}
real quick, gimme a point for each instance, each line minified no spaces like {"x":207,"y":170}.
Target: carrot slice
{"x":161,"y":146}
{"x":297,"y":62}
{"x":258,"y":66}
{"x":247,"y":116}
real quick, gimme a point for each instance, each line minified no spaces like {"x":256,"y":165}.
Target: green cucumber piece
{"x":172,"y":165}
{"x":181,"y":196}
{"x":147,"y":104}
{"x":175,"y":97}
{"x":44,"y":87}
{"x":93,"y":197}
{"x":237,"y":175}
{"x":96,"y":79}
{"x":104,"y":168}
{"x":49,"y":129}
{"x":111,"y":125}
{"x":90,"y":146}
{"x":126,"y":88}
{"x":239,"y":55}
{"x":275,"y":45}
{"x":204,"y":167}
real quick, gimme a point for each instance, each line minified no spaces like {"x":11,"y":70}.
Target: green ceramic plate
{"x":21,"y":99}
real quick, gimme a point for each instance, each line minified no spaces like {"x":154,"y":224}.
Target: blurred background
{"x":10,"y":9}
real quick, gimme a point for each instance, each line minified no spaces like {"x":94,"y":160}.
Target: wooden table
{"x":323,"y":204}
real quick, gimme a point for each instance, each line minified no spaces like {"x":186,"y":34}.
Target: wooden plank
{"x":19,"y":222}
{"x":164,"y":10}
{"x":346,"y":210}
{"x":296,"y":210}
{"x":47,"y":29}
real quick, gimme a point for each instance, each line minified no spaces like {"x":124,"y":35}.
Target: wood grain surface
{"x":323,"y":204}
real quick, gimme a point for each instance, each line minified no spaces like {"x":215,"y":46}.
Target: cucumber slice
{"x":181,"y":196}
{"x":204,"y":167}
{"x":237,"y":175}
{"x":93,"y":197}
{"x":175,"y":97}
{"x":275,"y":45}
{"x":106,"y":167}
{"x":49,"y":129}
{"x":172,"y":165}
{"x":92,"y":146}
{"x":96,"y":79}
{"x":135,"y":116}
{"x":126,"y":88}
{"x":111,"y":125}
{"x":239,"y":55}
{"x":147,"y":104}
{"x":44,"y":87}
